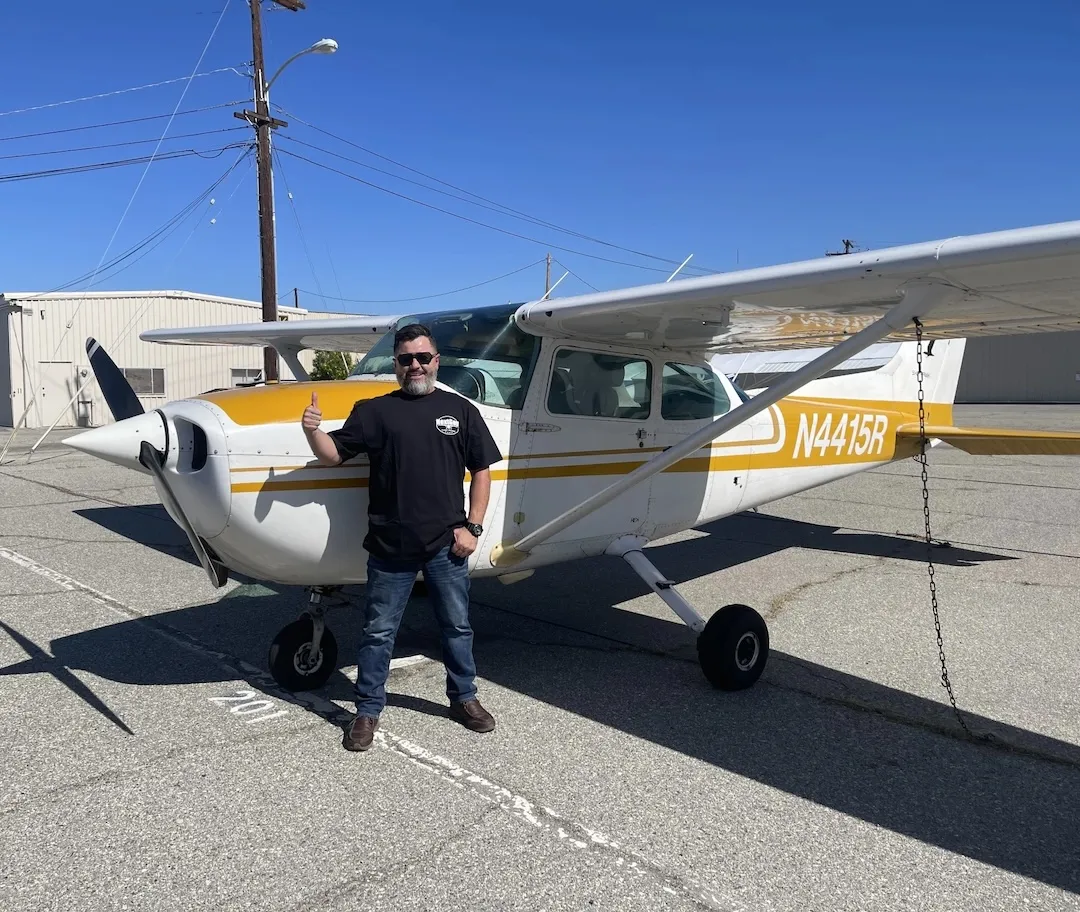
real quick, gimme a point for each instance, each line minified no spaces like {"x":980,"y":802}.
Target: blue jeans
{"x":389,"y":586}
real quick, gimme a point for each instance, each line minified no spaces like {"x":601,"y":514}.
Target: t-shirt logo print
{"x":447,"y":425}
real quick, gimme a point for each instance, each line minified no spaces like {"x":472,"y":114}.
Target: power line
{"x":576,"y":276}
{"x":466,"y":218}
{"x":117,"y":145}
{"x":120,"y":123}
{"x":299,"y":227}
{"x":499,"y":206}
{"x":441,"y":294}
{"x":161,"y":231}
{"x":119,"y":163}
{"x":150,"y":85}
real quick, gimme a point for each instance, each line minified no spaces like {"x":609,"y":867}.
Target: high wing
{"x":345,"y":334}
{"x":1017,"y":281}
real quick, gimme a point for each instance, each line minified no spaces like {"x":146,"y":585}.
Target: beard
{"x":418,"y":386}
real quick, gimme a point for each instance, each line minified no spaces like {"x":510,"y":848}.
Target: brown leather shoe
{"x":473,"y":716}
{"x":360,"y":733}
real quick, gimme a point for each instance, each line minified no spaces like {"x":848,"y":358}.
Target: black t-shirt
{"x":419,"y":448}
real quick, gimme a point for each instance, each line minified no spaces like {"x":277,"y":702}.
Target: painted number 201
{"x":246,"y":704}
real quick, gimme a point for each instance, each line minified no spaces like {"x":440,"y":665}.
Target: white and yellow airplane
{"x":614,"y":426}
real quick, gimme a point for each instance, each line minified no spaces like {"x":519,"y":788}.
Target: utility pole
{"x":547,"y":276}
{"x":262,"y":121}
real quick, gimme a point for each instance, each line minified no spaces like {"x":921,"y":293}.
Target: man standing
{"x":420,"y":440}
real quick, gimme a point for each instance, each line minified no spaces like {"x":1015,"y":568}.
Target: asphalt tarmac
{"x":149,"y":761}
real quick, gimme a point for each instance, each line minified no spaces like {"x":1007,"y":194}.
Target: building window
{"x":146,"y":381}
{"x":600,"y":385}
{"x":245,"y":376}
{"x":692,"y":392}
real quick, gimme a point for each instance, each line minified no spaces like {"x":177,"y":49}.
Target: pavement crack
{"x":396,"y":871}
{"x":116,"y":776}
{"x":779,"y":604}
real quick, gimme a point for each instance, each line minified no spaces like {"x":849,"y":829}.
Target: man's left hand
{"x":464,"y":542}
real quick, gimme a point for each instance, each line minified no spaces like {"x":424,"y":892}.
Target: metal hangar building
{"x":45,"y":373}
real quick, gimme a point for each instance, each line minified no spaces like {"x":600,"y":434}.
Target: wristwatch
{"x":475,"y":529}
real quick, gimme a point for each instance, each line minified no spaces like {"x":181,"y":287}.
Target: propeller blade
{"x":153,"y":459}
{"x":121,"y":398}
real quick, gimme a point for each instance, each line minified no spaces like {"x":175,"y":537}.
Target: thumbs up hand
{"x":312,"y":416}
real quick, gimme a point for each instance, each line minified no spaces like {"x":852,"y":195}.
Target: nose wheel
{"x":304,"y":653}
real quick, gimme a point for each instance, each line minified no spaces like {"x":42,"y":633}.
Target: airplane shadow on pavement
{"x":858,"y":747}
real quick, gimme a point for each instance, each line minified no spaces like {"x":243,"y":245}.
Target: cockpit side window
{"x":482,"y":354}
{"x":692,"y":392}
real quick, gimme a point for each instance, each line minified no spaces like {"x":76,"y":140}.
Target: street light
{"x":322,"y":46}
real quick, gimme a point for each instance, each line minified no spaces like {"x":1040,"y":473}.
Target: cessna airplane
{"x":614,"y":426}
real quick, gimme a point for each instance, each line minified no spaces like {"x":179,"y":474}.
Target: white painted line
{"x":542,"y":818}
{"x":400,"y":662}
{"x":539,"y":817}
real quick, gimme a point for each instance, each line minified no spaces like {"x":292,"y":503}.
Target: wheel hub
{"x":304,"y":662}
{"x":747,"y":651}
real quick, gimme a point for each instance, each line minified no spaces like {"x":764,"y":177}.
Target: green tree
{"x":331,"y":365}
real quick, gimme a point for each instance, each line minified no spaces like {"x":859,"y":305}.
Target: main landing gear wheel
{"x":734,"y":647}
{"x":294,"y":664}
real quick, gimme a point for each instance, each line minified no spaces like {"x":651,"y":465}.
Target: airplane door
{"x":712,"y":481}
{"x":586,"y":423}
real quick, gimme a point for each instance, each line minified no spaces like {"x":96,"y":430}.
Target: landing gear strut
{"x":732,"y":647}
{"x":304,"y":653}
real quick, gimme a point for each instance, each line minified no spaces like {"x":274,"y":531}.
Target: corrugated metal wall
{"x":54,"y":329}
{"x":1036,"y":368}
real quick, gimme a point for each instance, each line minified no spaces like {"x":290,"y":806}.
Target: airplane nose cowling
{"x":119,"y":443}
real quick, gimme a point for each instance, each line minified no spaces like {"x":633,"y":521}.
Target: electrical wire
{"x":190,"y":209}
{"x":150,"y":85}
{"x":119,"y":163}
{"x":161,"y":231}
{"x":499,"y":206}
{"x":494,"y":207}
{"x":574,"y":274}
{"x":299,"y":227}
{"x":441,"y":294}
{"x":117,"y":145}
{"x":466,"y":218}
{"x":120,"y":123}
{"x":176,"y":107}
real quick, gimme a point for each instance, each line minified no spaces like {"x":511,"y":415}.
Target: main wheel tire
{"x":290,"y":656}
{"x":734,"y":647}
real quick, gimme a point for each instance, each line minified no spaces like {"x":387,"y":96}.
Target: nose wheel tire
{"x":733,"y":647}
{"x":293,"y":662}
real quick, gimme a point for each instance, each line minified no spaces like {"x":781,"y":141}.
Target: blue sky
{"x":748,"y":134}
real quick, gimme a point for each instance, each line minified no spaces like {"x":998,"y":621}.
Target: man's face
{"x":415,"y":377}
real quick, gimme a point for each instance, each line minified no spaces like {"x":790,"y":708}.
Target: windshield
{"x":482,"y":353}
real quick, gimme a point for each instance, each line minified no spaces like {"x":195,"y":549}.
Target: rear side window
{"x":600,"y":385}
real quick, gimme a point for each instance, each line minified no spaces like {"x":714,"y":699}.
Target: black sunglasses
{"x":407,"y":358}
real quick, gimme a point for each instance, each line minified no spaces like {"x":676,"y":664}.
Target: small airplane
{"x":615,"y":427}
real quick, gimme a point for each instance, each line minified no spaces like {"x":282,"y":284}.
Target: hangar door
{"x":1037,"y":368}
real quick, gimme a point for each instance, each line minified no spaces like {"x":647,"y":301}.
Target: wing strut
{"x":919,"y":298}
